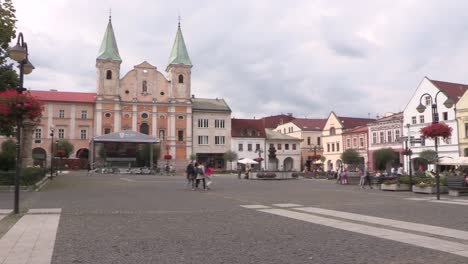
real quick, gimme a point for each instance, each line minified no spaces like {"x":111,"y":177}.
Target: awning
{"x":459,"y":161}
{"x":126,"y":136}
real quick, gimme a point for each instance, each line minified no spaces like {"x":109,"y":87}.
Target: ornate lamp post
{"x":259,"y":159}
{"x":19,"y":53}
{"x":408,"y":153}
{"x":435,"y":119}
{"x":315,"y":148}
{"x":52,"y":154}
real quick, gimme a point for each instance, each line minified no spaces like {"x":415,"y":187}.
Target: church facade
{"x":144,"y":100}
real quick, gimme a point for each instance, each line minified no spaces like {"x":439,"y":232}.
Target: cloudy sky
{"x":264,"y":57}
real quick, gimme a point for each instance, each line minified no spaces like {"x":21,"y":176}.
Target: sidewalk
{"x":31,"y":239}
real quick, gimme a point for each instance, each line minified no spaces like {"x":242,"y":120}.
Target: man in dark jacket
{"x":190,"y":173}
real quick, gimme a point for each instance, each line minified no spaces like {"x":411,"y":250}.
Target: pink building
{"x":356,"y":138}
{"x":385,"y":132}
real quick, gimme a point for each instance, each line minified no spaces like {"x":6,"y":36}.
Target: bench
{"x":456,"y":186}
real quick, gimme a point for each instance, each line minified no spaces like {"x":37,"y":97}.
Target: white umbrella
{"x":247,"y":161}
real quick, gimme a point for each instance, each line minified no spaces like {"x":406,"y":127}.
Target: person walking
{"x":208,"y":173}
{"x":200,"y":176}
{"x":344,"y":177}
{"x":339,"y":172}
{"x":400,"y":171}
{"x":367,"y":178}
{"x":190,"y":173}
{"x":361,"y":176}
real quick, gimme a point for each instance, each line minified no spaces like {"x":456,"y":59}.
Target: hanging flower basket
{"x":258,"y":159}
{"x":316,"y":157}
{"x":436,"y":130}
{"x":15,"y":106}
{"x":60,"y":153}
{"x":167,"y":157}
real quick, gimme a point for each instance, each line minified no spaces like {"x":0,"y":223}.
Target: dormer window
{"x":181,"y":78}
{"x":332,"y":131}
{"x":144,"y":87}
{"x":109,"y":75}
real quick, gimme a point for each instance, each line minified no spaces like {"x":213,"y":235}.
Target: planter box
{"x":429,"y":190}
{"x":394,"y":187}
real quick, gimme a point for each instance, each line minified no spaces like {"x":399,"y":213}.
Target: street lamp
{"x":52,"y":154}
{"x":408,"y":152}
{"x":260,"y":151}
{"x":315,"y":148}
{"x":435,"y":119}
{"x":19,"y":53}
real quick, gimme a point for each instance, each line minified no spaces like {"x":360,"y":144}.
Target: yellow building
{"x":461,"y":113}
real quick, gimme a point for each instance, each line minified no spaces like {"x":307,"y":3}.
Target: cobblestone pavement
{"x":157,"y":219}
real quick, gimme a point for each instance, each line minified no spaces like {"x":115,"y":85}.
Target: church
{"x":144,"y":99}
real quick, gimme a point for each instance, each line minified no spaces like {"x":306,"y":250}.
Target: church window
{"x":107,"y":115}
{"x":109,"y":75}
{"x":144,"y":128}
{"x":180,"y":117}
{"x":144,"y":87}
{"x":161,"y":93}
{"x":127,"y":91}
{"x":181,"y":78}
{"x":144,"y":115}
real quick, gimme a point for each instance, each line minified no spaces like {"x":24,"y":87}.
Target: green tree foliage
{"x":351,"y":157}
{"x":8,"y":155}
{"x":323,"y":159}
{"x":429,"y":155}
{"x":64,"y":145}
{"x":8,"y":77}
{"x":384,"y":156}
{"x":230,"y":156}
{"x":193,"y":156}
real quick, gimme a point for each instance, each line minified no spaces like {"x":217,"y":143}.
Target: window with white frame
{"x":328,"y":147}
{"x":220,"y":140}
{"x":286,"y":146}
{"x":361,"y":142}
{"x":348,"y":142}
{"x":83,"y":134}
{"x":202,"y":123}
{"x":219,"y":123}
{"x":397,"y":135}
{"x":421,"y":119}
{"x":389,"y":136}
{"x":413,"y":120}
{"x":279,"y":147}
{"x":382,"y":138}
{"x":374,"y":138}
{"x":61,"y":133}
{"x":257,"y":147}
{"x":61,"y":113}
{"x":308,"y":141}
{"x":84,"y":114}
{"x":249,"y":147}
{"x":428,"y":100}
{"x":338,"y":147}
{"x":294,"y":146}
{"x":37,"y":135}
{"x":445,"y":116}
{"x":241,"y":147}
{"x":202,"y":140}
{"x":354,"y":142}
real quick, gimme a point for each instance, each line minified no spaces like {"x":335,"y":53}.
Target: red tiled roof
{"x":307,"y":124}
{"x":276,"y":120}
{"x":356,"y":130}
{"x":55,"y":96}
{"x":249,"y":128}
{"x":350,"y":122}
{"x":453,"y":90}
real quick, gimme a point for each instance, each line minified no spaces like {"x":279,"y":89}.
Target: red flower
{"x":436,"y":130}
{"x":167,"y":157}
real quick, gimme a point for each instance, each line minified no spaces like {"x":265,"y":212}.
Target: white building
{"x":211,"y":130}
{"x":248,"y":140}
{"x":287,"y":151}
{"x":425,"y":94}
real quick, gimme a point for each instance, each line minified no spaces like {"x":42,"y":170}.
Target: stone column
{"x":26,"y":143}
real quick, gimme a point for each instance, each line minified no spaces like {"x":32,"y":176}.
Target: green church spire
{"x":109,"y":50}
{"x":179,"y":54}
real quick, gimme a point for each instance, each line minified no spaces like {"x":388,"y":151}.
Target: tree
{"x":230,"y":156}
{"x":351,"y":157}
{"x":63,"y":146}
{"x":8,"y":155}
{"x":193,"y":156}
{"x":429,"y":155}
{"x":8,"y":76}
{"x":382,"y":157}
{"x":323,"y":159}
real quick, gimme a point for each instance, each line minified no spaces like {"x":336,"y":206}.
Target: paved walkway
{"x":31,"y":239}
{"x":4,"y":213}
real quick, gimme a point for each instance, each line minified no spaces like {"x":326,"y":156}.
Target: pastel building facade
{"x":385,"y":132}
{"x":356,"y":138}
{"x":413,"y":121}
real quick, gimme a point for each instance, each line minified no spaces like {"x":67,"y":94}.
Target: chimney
{"x":193,"y":96}
{"x":53,"y":90}
{"x":290,"y":114}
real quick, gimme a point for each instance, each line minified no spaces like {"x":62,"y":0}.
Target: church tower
{"x":179,"y":69}
{"x":108,"y":66}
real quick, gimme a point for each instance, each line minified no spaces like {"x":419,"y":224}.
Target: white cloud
{"x":263,"y":57}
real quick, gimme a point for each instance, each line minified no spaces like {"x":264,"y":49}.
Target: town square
{"x":247,"y":132}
